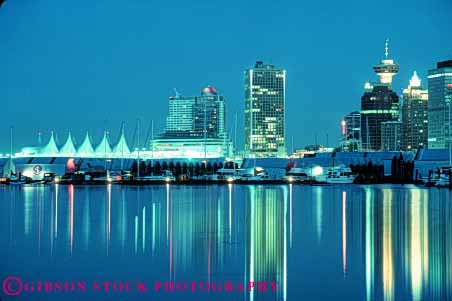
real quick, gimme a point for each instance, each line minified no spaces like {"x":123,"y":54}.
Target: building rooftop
{"x":445,"y":64}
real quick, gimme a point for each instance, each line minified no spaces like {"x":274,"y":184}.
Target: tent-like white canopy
{"x":86,"y":148}
{"x":50,"y":149}
{"x":68,"y":149}
{"x":104,"y":147}
{"x":121,"y":148}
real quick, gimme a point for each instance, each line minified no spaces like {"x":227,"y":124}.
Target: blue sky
{"x":91,"y":64}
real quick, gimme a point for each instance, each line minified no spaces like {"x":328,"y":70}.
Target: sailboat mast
{"x":152,"y":146}
{"x":105,"y":150}
{"x":10,"y":150}
{"x":11,"y":143}
{"x":138,"y":144}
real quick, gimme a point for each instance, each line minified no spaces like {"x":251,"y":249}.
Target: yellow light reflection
{"x":415,"y":245}
{"x":344,"y":232}
{"x":388,"y":264}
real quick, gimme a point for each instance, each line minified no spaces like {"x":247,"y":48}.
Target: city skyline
{"x":60,"y":80}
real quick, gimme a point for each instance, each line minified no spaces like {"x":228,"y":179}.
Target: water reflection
{"x":373,"y":243}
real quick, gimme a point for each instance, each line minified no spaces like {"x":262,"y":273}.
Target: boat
{"x":167,"y":176}
{"x":18,"y":180}
{"x":336,"y":175}
{"x":297,"y":175}
{"x":443,"y":177}
{"x":254,"y":174}
{"x":431,"y":180}
{"x":443,"y":181}
{"x":108,"y":178}
{"x":224,"y":174}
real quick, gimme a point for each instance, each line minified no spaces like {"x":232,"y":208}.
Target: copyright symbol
{"x":12,"y":286}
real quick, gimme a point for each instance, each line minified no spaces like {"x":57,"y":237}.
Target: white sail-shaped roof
{"x":121,"y":148}
{"x":104,"y":147}
{"x":68,"y":149}
{"x":86,"y":148}
{"x":50,"y":149}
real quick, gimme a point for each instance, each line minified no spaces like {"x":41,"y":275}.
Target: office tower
{"x":414,"y":115}
{"x":265,"y":111}
{"x":209,"y":113}
{"x":180,"y":114}
{"x":351,"y":132}
{"x":378,"y":104}
{"x":391,"y":135}
{"x":195,"y":127}
{"x":440,"y":96}
{"x":196,"y":116}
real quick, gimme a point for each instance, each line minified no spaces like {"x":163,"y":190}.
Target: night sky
{"x":91,"y":64}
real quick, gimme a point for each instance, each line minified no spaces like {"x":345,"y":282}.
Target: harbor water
{"x":351,"y":242}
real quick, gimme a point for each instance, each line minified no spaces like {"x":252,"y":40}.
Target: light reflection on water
{"x":346,"y":242}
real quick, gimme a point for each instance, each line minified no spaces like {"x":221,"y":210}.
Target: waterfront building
{"x":414,"y":115}
{"x":84,"y":150}
{"x":440,"y":97}
{"x":379,"y":104}
{"x":196,"y":116}
{"x":209,"y":114}
{"x":391,"y":136}
{"x":265,"y":111}
{"x":195,"y":128}
{"x":351,"y":132}
{"x":180,"y":114}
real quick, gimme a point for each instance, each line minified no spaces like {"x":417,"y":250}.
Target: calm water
{"x":317,"y":243}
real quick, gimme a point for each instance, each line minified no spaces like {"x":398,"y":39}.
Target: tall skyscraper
{"x":378,"y":104}
{"x":180,"y":114}
{"x":197,"y":116}
{"x":440,"y":96}
{"x":195,"y":128}
{"x":414,"y":115}
{"x":265,"y":111}
{"x":209,"y":113}
{"x":351,"y":132}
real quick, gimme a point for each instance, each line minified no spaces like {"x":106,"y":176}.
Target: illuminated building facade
{"x":414,"y":115}
{"x":265,"y":111}
{"x":391,"y":136}
{"x":195,"y":128}
{"x":378,"y":104}
{"x":440,"y":96}
{"x":180,"y":115}
{"x":351,"y":132}
{"x":196,"y":116}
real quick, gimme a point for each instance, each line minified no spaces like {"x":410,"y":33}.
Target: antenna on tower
{"x":387,"y":48}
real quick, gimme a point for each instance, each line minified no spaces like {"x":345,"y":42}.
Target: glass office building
{"x":440,"y":95}
{"x":414,"y":115}
{"x":391,"y":136}
{"x":351,"y":132}
{"x":180,"y":114}
{"x":195,"y":128}
{"x":265,"y":111}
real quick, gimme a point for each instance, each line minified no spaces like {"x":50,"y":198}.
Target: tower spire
{"x":386,"y":69}
{"x":386,"y":48}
